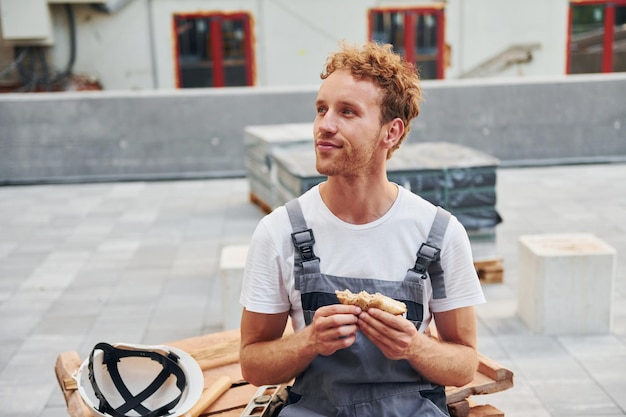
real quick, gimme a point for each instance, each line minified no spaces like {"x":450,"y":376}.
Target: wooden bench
{"x":218,"y":355}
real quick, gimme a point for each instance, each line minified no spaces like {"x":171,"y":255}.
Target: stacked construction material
{"x":459,"y":179}
{"x":281,"y":165}
{"x":261,"y":142}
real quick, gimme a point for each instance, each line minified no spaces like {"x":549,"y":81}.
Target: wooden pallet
{"x":218,"y":355}
{"x":490,"y":271}
{"x":265,"y":208}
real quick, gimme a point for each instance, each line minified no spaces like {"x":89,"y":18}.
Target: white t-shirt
{"x":383,"y":249}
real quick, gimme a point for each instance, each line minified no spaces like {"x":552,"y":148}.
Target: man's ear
{"x":393,"y":133}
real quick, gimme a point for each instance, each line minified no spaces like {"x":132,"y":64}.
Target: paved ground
{"x":138,"y":262}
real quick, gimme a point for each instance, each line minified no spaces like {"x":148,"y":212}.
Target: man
{"x":365,"y":233}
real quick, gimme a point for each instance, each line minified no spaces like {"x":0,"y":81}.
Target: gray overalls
{"x":360,"y":380}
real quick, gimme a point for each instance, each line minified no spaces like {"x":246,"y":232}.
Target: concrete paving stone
{"x":572,"y":397}
{"x":125,"y":189}
{"x":615,"y":389}
{"x":80,"y":302}
{"x":489,"y":346}
{"x":32,"y":218}
{"x":609,"y":375}
{"x":45,"y":347}
{"x":502,"y":326}
{"x":8,"y":347}
{"x":212,"y":317}
{"x":128,"y":230}
{"x":593,"y":346}
{"x":45,"y":280}
{"x":152,"y":257}
{"x":136,"y":294}
{"x":25,"y":261}
{"x":96,"y":278}
{"x":204,"y":228}
{"x":550,"y":369}
{"x":71,"y":323}
{"x":6,"y":247}
{"x":67,"y":257}
{"x":30,"y":368}
{"x":157,"y":334}
{"x":54,"y":410}
{"x":164,"y":234}
{"x":11,"y":279}
{"x":172,"y":311}
{"x":519,"y":401}
{"x":16,"y":325}
{"x":195,"y":249}
{"x":94,"y":226}
{"x":76,"y":242}
{"x":532,"y":346}
{"x":126,"y":245}
{"x":44,"y":246}
{"x":28,"y":301}
{"x":107,"y":264}
{"x":24,"y":400}
{"x":147,"y":215}
{"x":204,"y":264}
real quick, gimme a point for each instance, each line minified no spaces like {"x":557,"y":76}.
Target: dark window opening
{"x":597,"y":37}
{"x":214,"y":50}
{"x":416,"y":34}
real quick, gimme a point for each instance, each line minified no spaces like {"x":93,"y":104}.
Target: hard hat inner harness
{"x":112,"y":356}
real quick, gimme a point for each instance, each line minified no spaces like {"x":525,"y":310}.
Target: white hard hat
{"x":124,"y":380}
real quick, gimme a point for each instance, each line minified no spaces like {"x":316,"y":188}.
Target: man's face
{"x":347,"y":126}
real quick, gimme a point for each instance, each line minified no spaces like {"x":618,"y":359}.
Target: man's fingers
{"x":335,"y":327}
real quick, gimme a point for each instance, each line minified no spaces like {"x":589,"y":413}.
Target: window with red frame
{"x":213,"y":50}
{"x":416,"y":33}
{"x":597,"y":36}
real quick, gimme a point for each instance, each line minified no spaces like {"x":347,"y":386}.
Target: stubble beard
{"x":351,"y":162}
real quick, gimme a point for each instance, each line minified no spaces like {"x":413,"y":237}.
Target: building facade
{"x":168,"y":44}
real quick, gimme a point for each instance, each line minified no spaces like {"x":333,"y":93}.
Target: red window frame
{"x":409,"y":32}
{"x":607,"y":43}
{"x":216,"y":45}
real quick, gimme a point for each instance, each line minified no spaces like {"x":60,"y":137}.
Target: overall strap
{"x":305,"y":261}
{"x":428,"y":262}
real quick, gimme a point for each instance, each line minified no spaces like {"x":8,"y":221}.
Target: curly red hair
{"x":397,"y":79}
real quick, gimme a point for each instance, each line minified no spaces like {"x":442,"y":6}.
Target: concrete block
{"x":232,"y":262}
{"x":566,"y":283}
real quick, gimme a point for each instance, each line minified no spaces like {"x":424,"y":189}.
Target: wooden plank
{"x":490,"y":270}
{"x":262,"y":205}
{"x":67,"y":363}
{"x":485,"y":411}
{"x":236,"y":398}
{"x":493,"y":369}
{"x":459,"y":409}
{"x":481,"y":384}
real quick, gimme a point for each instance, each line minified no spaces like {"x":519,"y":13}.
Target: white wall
{"x":297,"y":35}
{"x":480,"y":29}
{"x":116,"y":48}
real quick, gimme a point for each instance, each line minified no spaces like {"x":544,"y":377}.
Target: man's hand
{"x":451,"y":359}
{"x":395,"y":336}
{"x":333,"y":327}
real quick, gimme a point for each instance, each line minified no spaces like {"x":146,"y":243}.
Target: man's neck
{"x":358,"y":200}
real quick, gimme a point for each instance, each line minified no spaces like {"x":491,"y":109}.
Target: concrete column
{"x":232,"y":262}
{"x":566,"y":283}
